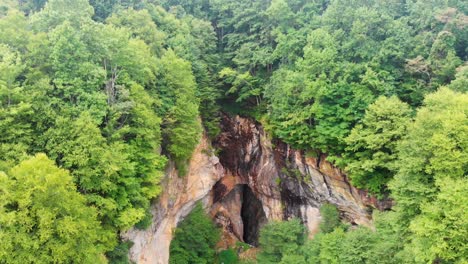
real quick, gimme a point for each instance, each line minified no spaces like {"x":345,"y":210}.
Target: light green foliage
{"x":313,"y":106}
{"x":358,"y":52}
{"x":353,"y":247}
{"x":372,"y":144}
{"x":183,"y":126}
{"x":330,"y":218}
{"x":434,"y":149}
{"x":280,"y":239}
{"x":242,"y":84}
{"x":429,"y":222}
{"x":15,"y":111}
{"x":389,"y":238}
{"x":83,"y":92}
{"x":357,"y":246}
{"x":106,"y":87}
{"x":324,"y":248}
{"x":194,"y":40}
{"x":71,"y":60}
{"x":432,"y":174}
{"x":141,"y":25}
{"x":11,"y":67}
{"x":280,"y":14}
{"x":43,"y":217}
{"x":14,"y":30}
{"x":97,"y":167}
{"x":144,"y":136}
{"x":119,"y":179}
{"x":86,"y":94}
{"x":441,"y":230}
{"x":194,"y":239}
{"x":205,"y":63}
{"x":297,"y":259}
{"x":460,"y":84}
{"x":55,"y":12}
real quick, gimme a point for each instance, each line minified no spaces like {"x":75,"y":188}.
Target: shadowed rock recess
{"x":251,"y":181}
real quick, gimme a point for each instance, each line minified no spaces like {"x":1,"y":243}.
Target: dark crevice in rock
{"x":264,"y":173}
{"x":327,"y":184}
{"x":293,"y":196}
{"x":252,"y":215}
{"x":239,"y":145}
{"x":219,"y":190}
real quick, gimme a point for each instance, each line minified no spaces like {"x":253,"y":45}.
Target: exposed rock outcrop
{"x":180,"y":194}
{"x":253,"y":181}
{"x":286,"y":182}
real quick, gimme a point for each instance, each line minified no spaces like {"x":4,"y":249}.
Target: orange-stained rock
{"x":179,"y":196}
{"x":251,"y":181}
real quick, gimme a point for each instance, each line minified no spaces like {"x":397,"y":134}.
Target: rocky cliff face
{"x":250,"y":182}
{"x":177,"y":200}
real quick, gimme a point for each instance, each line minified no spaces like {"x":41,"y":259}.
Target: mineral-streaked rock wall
{"x":180,"y":194}
{"x":250,"y":178}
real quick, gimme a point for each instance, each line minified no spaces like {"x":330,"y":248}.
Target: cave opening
{"x":253,"y":216}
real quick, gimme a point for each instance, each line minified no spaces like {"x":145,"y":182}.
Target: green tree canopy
{"x":194,"y":239}
{"x":330,"y":218}
{"x":441,"y":230}
{"x":433,"y":150}
{"x":183,"y":126}
{"x":372,"y":144}
{"x":43,"y":217}
{"x":280,"y":239}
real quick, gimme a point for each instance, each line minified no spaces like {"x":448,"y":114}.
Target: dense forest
{"x":97,"y":97}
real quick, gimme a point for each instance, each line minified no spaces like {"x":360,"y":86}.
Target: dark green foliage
{"x":228,"y":256}
{"x":460,"y":84}
{"x":104,"y":8}
{"x":145,"y":221}
{"x":120,"y":253}
{"x":358,"y":52}
{"x":15,"y":110}
{"x":372,"y":144}
{"x":194,"y":239}
{"x":183,"y":127}
{"x":330,"y":218}
{"x":316,"y":105}
{"x":30,"y":6}
{"x":110,"y":90}
{"x":429,"y":220}
{"x":92,"y":96}
{"x":280,"y":239}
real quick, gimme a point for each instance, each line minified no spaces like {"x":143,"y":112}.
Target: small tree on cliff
{"x":194,"y":239}
{"x":330,"y":218}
